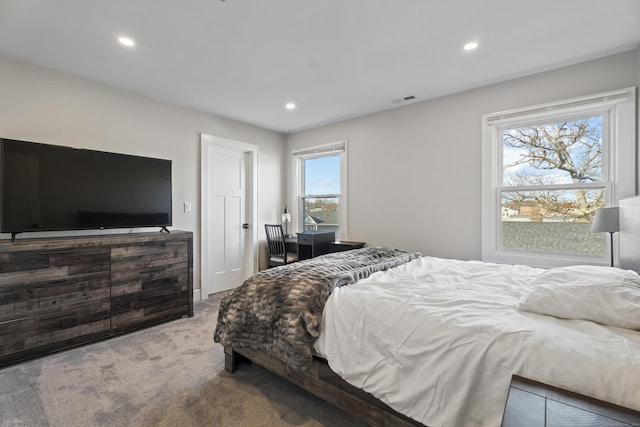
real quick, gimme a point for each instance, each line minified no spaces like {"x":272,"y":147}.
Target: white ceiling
{"x":244,"y":59}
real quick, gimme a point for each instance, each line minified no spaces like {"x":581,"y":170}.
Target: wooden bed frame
{"x":321,"y":381}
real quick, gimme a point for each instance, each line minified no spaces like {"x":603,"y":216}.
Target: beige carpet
{"x":168,"y":375}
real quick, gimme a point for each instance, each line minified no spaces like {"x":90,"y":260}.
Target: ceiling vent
{"x":405,"y":99}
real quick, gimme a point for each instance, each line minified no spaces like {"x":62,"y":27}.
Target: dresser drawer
{"x":34,"y":283}
{"x":149,"y":284}
{"x":25,"y":337}
{"x":132,"y":312}
{"x":148,"y":267}
{"x":305,"y":239}
{"x":52,"y":299}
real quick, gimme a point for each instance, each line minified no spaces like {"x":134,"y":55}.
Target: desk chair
{"x":277,"y":247}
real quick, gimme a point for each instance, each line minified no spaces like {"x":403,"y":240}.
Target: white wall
{"x":638,"y":121}
{"x":414,"y":172}
{"x":41,"y":105}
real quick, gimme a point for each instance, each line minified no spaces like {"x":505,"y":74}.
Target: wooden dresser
{"x":61,"y":292}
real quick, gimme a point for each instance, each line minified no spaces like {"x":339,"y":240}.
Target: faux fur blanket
{"x":279,"y":309}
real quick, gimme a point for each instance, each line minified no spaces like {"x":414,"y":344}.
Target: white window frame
{"x":306,"y":153}
{"x":619,"y":175}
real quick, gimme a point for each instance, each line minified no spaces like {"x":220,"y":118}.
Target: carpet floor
{"x":167,"y":375}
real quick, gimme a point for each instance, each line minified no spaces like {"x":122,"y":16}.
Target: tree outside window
{"x":545,"y":169}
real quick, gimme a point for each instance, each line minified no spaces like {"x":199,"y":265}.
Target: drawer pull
{"x":60,"y":316}
{"x":58,"y":252}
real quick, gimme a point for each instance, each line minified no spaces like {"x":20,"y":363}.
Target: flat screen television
{"x":51,"y":188}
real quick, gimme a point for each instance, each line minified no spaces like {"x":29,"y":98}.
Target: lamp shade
{"x":606,"y":220}
{"x":286,"y":216}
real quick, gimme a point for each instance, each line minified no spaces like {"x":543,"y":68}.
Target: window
{"x":321,"y":188}
{"x":547,"y":169}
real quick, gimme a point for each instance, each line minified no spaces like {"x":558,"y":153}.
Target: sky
{"x":322,"y":175}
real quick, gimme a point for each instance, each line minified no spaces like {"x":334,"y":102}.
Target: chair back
{"x":275,"y":240}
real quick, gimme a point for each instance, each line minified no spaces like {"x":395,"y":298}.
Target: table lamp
{"x":606,"y":220}
{"x":286,"y":218}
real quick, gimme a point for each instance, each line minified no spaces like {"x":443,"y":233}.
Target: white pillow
{"x":605,"y":295}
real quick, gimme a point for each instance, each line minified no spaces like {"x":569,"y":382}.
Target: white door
{"x":227,"y":206}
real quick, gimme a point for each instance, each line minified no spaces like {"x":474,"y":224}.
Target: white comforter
{"x":438,"y":340}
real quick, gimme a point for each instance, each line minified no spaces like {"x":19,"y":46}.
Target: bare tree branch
{"x":573,"y":147}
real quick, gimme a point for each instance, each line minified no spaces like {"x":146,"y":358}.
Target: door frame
{"x":208,"y":142}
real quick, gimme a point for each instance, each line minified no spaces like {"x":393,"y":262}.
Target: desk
{"x":312,"y":243}
{"x":291,"y":243}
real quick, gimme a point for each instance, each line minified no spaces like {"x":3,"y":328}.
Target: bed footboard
{"x":321,"y":381}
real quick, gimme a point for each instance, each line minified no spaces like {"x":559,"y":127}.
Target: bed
{"x":428,"y":341}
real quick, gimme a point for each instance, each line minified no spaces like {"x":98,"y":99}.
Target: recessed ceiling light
{"x":470,"y":45}
{"x":290,"y":106}
{"x":126,"y":41}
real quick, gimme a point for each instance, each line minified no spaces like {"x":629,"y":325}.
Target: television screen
{"x":48,"y":187}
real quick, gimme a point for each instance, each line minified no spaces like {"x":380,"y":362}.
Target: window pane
{"x":322,"y":214}
{"x":556,"y":221}
{"x":322,"y":175}
{"x":556,"y":153}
